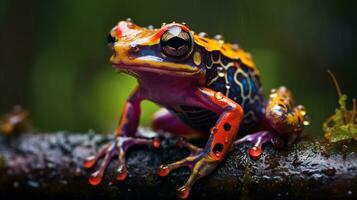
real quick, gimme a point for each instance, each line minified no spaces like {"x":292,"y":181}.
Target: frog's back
{"x":238,"y":81}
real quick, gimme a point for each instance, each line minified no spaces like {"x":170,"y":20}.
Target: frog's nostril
{"x":111,"y":40}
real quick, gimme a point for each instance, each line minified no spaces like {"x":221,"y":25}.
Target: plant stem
{"x":335,"y":83}
{"x":353,"y":112}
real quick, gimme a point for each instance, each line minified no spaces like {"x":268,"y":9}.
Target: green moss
{"x":342,"y":125}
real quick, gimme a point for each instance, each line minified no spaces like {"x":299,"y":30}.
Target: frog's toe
{"x":258,"y":139}
{"x":90,"y":161}
{"x":185,"y":144}
{"x":109,"y":151}
{"x":119,"y":147}
{"x":189,"y":161}
{"x":200,"y":164}
{"x":203,"y":166}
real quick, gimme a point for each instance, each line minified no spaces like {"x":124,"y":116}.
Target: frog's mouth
{"x":154,"y":65}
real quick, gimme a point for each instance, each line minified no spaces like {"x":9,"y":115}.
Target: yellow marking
{"x":146,"y":37}
{"x":226,"y":49}
{"x":197,"y":58}
{"x":121,"y":57}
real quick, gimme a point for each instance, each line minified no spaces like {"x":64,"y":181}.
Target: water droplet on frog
{"x":226,"y":140}
{"x":213,"y":130}
{"x":220,"y":71}
{"x":218,"y":37}
{"x":218,"y":154}
{"x":203,"y":34}
{"x":273,"y":95}
{"x":218,"y":95}
{"x":235,"y":47}
{"x":228,"y":86}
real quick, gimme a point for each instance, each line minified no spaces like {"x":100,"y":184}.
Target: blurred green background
{"x":54,"y":57}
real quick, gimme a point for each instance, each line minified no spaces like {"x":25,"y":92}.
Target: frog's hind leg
{"x":166,"y":121}
{"x":285,"y":119}
{"x":283,"y":115}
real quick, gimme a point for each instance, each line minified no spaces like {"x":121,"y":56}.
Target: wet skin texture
{"x":206,"y":87}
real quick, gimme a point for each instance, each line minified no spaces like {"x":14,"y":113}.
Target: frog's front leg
{"x":166,"y":121}
{"x":203,"y":161}
{"x":124,"y":139}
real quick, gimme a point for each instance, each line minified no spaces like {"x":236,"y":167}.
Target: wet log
{"x":49,"y":166}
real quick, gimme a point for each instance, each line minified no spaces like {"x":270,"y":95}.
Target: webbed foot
{"x":119,"y":147}
{"x":199,"y":162}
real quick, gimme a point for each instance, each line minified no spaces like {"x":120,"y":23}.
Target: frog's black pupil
{"x":110,"y":39}
{"x":176,"y":42}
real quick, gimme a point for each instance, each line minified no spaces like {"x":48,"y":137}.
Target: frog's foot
{"x":182,"y":143}
{"x":199,"y":162}
{"x":258,"y":139}
{"x":117,"y":148}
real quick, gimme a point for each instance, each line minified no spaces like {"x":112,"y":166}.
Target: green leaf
{"x":340,"y":113}
{"x":344,"y":132}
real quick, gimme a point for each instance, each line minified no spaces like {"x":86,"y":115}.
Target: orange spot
{"x":118,"y":32}
{"x":183,"y":192}
{"x":89,"y":162}
{"x":255,"y":152}
{"x":122,"y":175}
{"x":156,"y":143}
{"x":164,"y":170}
{"x":218,"y":95}
{"x":95,"y":178}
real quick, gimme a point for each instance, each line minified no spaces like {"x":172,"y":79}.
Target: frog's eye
{"x":176,"y":42}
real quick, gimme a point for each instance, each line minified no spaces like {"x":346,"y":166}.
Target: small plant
{"x":343,"y":124}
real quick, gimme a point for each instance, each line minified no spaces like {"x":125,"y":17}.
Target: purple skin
{"x":176,"y":69}
{"x":258,"y":139}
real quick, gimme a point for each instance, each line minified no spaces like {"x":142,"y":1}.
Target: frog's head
{"x":172,"y":49}
{"x":169,"y":50}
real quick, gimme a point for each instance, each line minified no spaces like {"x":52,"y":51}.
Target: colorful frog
{"x":205,"y":86}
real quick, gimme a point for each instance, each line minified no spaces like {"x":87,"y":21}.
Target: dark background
{"x":54,"y":57}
